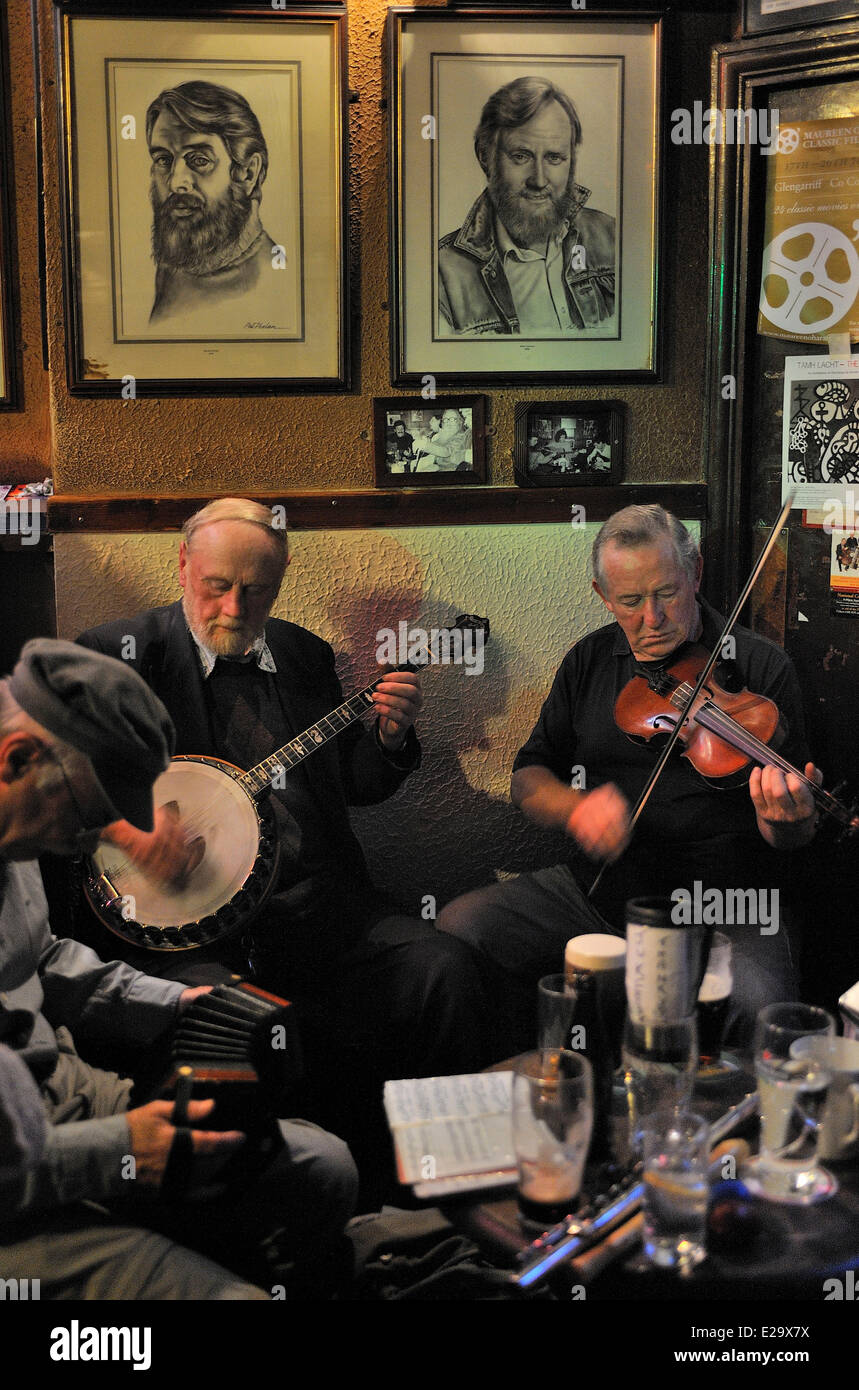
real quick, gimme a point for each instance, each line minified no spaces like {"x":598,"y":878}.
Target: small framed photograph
{"x":568,"y":443}
{"x":420,"y":443}
{"x":204,"y":175}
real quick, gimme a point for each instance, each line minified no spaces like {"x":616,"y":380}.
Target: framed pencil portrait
{"x":204,"y":171}
{"x":525,"y":194}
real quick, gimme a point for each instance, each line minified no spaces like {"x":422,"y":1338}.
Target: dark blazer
{"x":352,"y":769}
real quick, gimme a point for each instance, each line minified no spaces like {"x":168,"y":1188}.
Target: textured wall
{"x":282,"y":442}
{"x":451,"y":826}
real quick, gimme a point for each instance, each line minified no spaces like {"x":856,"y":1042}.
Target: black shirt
{"x":690,"y":828}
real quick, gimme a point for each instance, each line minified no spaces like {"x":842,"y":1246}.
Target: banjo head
{"x":228,"y":886}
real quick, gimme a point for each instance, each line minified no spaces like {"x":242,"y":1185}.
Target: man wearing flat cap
{"x":82,"y":739}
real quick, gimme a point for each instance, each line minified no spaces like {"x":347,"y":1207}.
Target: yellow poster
{"x":810,"y":274}
{"x":844,"y":575}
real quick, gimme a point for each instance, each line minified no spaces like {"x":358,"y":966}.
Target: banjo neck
{"x":259,"y":779}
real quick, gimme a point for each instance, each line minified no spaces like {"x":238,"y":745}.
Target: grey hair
{"x":635,"y":526}
{"x":236,"y":509}
{"x":48,"y":774}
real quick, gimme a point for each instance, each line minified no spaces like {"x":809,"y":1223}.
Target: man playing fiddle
{"x":647,"y":571}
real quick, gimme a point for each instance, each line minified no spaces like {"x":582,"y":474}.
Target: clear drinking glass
{"x":552,"y":1122}
{"x":676,"y":1190}
{"x":659,"y":1065}
{"x":793,"y":1094}
{"x":556,"y":1006}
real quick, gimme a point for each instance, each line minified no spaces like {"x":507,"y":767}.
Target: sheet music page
{"x":446,"y":1126}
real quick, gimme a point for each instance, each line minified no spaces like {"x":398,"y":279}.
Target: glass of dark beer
{"x":552,"y":1122}
{"x":714,"y":998}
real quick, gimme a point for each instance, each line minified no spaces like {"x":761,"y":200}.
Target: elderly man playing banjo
{"x":83,"y":1197}
{"x":579,"y":772}
{"x":379,"y":995}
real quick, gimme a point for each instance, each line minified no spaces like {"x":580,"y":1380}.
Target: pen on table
{"x":184,"y":1090}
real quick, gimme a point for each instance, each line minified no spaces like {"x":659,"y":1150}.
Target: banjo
{"x":223,"y":810}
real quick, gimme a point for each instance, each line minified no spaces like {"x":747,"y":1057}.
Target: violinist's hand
{"x":165,"y":854}
{"x":785,"y":808}
{"x":600,"y":822}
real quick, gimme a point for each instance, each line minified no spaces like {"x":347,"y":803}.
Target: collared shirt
{"x":259,"y":650}
{"x":536,"y":281}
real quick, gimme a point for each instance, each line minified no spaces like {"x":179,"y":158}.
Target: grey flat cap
{"x":101,"y":707}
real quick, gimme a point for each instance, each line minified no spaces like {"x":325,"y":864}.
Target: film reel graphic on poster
{"x":810,"y":263}
{"x":796,"y":267}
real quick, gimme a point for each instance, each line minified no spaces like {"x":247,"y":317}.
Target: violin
{"x":724,"y":733}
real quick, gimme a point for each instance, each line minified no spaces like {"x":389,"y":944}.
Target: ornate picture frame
{"x":771,"y":16}
{"x":235,"y":280}
{"x":469,"y":302}
{"x":792,"y":73}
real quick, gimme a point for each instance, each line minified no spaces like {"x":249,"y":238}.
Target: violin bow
{"x":702,"y":679}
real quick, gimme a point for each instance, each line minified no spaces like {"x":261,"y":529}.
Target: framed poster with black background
{"x":525,"y":194}
{"x":205,"y":169}
{"x":810,"y":79}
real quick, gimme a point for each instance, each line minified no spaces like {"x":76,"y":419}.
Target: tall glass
{"x":552,"y":1121}
{"x":556,"y":1007}
{"x":660,"y":1061}
{"x":792,"y":1098}
{"x":676,"y":1190}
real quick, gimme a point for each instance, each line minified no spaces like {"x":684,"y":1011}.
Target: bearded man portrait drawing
{"x":209,"y":163}
{"x":530,"y":257}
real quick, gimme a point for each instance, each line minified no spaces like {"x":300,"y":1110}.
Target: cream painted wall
{"x":452,"y":826}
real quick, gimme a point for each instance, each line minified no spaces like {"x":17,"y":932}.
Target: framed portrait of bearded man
{"x":204,"y":175}
{"x":525,"y":195}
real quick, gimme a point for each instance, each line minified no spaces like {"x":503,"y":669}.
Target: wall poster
{"x":810,"y":276}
